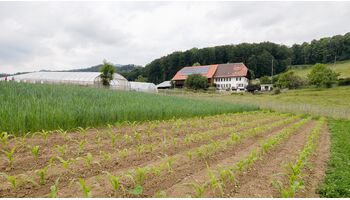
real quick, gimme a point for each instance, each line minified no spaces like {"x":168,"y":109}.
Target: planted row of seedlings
{"x":134,"y":187}
{"x":137,"y":140}
{"x":295,"y":170}
{"x":163,"y":168}
{"x":225,"y":177}
{"x":88,"y":161}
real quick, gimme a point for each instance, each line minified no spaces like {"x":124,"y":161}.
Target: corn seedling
{"x":54,"y":189}
{"x":9,"y":155}
{"x":61,"y":149}
{"x":214,"y":182}
{"x":123,"y":153}
{"x":13,"y":180}
{"x":85,"y":189}
{"x":160,"y":194}
{"x":65,"y":163}
{"x":140,"y":175}
{"x":189,"y":154}
{"x":226,"y":175}
{"x":106,"y":156}
{"x":45,"y":134}
{"x":137,"y":136}
{"x":42,"y":174}
{"x":140,"y":149}
{"x":115,"y":182}
{"x":35,"y":152}
{"x":4,"y":138}
{"x":82,"y":130}
{"x":199,"y":188}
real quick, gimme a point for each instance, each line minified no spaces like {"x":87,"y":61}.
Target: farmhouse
{"x":206,"y":71}
{"x":231,"y":76}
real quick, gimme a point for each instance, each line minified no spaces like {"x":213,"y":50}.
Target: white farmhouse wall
{"x":231,"y":83}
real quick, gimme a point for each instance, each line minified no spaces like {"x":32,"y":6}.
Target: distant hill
{"x":342,"y":67}
{"x":119,"y":68}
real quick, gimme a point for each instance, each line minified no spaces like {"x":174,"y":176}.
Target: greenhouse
{"x":74,"y":78}
{"x":143,"y":87}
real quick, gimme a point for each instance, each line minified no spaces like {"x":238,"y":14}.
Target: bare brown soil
{"x":169,"y":139}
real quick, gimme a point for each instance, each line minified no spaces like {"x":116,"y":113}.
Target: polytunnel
{"x":73,"y":78}
{"x":143,"y":87}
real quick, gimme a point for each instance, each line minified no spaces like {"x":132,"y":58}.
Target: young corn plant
{"x":4,"y":138}
{"x":123,"y":153}
{"x":106,"y":156}
{"x":61,"y":149}
{"x":42,"y":174}
{"x":82,"y":130}
{"x":65,"y":163}
{"x":140,"y":175}
{"x":215,"y":183}
{"x":35,"y":151}
{"x":63,"y":133}
{"x":160,"y":194}
{"x":199,"y":189}
{"x":116,"y":183}
{"x":13,"y":180}
{"x":54,"y":189}
{"x":9,"y":154}
{"x":44,"y":134}
{"x":227,"y":175}
{"x":85,"y":189}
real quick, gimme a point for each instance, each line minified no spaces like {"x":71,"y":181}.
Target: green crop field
{"x":332,"y":102}
{"x":342,"y":67}
{"x":30,"y":107}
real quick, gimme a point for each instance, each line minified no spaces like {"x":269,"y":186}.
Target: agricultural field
{"x":247,"y":154}
{"x":34,"y":107}
{"x":342,"y":67}
{"x":328,"y":102}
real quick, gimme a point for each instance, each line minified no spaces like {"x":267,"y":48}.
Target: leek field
{"x":31,"y":107}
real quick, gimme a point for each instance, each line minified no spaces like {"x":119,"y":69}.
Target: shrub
{"x":196,"y":81}
{"x":322,"y":76}
{"x":265,"y":80}
{"x":289,"y":80}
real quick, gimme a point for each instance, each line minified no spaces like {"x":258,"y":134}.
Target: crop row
{"x":219,"y":178}
{"x":295,"y":176}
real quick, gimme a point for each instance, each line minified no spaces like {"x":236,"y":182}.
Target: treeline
{"x":257,"y":57}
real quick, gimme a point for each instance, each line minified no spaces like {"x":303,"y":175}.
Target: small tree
{"x":196,"y":64}
{"x":322,"y":76}
{"x":107,"y":71}
{"x":196,"y":81}
{"x":140,"y":78}
{"x":289,"y":80}
{"x":265,"y":80}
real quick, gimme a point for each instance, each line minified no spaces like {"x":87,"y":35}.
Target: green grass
{"x":342,"y":67}
{"x":330,"y":102}
{"x":33,"y":107}
{"x":337,"y":181}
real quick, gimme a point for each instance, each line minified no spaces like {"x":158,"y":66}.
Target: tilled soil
{"x":182,"y":171}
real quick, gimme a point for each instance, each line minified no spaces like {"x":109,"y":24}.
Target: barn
{"x":207,"y":71}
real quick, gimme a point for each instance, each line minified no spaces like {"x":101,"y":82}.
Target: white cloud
{"x":66,"y":35}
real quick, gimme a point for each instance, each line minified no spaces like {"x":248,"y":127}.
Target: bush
{"x":322,"y":76}
{"x":289,"y":80}
{"x":343,"y":82}
{"x":253,"y":87}
{"x":276,"y":91}
{"x":265,"y":80}
{"x":196,"y":81}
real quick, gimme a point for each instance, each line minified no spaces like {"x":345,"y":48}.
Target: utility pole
{"x":272,"y":71}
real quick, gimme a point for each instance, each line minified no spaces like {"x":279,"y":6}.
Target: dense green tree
{"x":289,"y":80}
{"x":107,"y":71}
{"x":140,"y":78}
{"x":196,"y":81}
{"x":322,"y":76}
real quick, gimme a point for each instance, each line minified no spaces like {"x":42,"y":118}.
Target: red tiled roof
{"x":231,"y":70}
{"x":207,"y":71}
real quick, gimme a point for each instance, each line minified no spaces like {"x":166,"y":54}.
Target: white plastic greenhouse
{"x":74,"y":78}
{"x":143,"y":87}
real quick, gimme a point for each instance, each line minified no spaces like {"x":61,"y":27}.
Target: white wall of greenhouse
{"x":143,"y":87}
{"x":73,"y":78}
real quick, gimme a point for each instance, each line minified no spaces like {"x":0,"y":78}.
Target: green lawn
{"x":32,"y":107}
{"x":332,"y":102}
{"x":337,"y":181}
{"x":342,"y":67}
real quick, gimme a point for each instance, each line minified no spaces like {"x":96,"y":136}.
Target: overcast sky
{"x":66,"y":35}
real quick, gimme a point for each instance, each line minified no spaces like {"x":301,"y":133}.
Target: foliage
{"x":289,"y":80}
{"x":344,"y":81}
{"x":322,"y":76}
{"x":337,"y":180}
{"x":85,"y":189}
{"x":68,"y":107}
{"x":196,"y":64}
{"x":196,"y":81}
{"x":140,"y":78}
{"x":107,"y":70}
{"x":265,"y":80}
